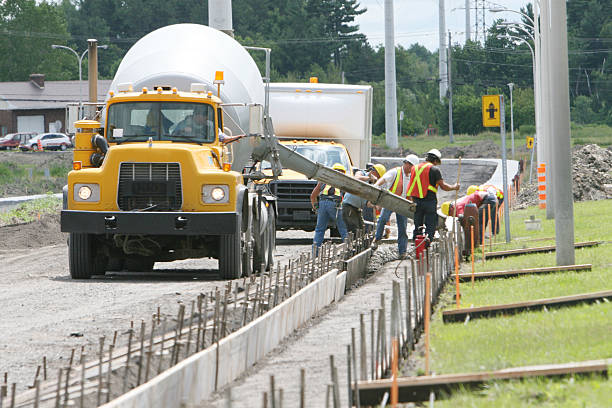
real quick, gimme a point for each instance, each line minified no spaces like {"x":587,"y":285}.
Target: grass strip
{"x":31,"y":211}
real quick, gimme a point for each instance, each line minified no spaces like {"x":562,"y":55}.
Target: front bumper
{"x":149,"y":223}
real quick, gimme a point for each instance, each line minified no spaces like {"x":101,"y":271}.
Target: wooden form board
{"x":412,"y":389}
{"x":511,"y":308}
{"x":507,"y":274}
{"x":523,"y":251}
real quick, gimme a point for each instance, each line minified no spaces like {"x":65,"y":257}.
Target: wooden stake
{"x":472,"y":239}
{"x":427,"y":311}
{"x":394,"y":364}
{"x":482,"y":234}
{"x":490,"y":229}
{"x":457,"y":294}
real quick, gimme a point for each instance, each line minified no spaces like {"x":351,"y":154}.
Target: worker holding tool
{"x":396,"y":181}
{"x":352,"y":205}
{"x":425,"y":178}
{"x":328,"y":209}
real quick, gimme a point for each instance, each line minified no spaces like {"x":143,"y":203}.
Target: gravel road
{"x":45,"y":313}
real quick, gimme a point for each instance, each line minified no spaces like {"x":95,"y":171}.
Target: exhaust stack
{"x":220,"y":16}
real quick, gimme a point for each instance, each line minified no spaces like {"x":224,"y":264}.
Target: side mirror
{"x":255,"y":119}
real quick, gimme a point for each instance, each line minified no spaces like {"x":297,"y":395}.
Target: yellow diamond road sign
{"x":490,"y":111}
{"x":530,"y":142}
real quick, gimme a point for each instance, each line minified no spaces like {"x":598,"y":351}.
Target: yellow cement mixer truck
{"x":155,"y":179}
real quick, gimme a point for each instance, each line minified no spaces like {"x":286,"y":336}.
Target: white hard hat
{"x":412,"y":159}
{"x":435,"y":152}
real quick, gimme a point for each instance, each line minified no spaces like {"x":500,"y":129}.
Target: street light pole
{"x":511,"y":85}
{"x":80,"y":59}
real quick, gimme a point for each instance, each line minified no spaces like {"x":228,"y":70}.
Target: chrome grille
{"x":293,"y":190}
{"x":151,"y":186}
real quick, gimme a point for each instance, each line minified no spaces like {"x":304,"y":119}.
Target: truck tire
{"x":230,"y":254}
{"x":82,"y":259}
{"x":271,"y":237}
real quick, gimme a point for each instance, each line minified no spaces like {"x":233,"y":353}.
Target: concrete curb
{"x":194,"y":379}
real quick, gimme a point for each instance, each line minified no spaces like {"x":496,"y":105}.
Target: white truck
{"x":327,"y":123}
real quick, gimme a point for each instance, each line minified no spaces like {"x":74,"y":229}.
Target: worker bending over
{"x":494,"y":196}
{"x":352,"y":205}
{"x":396,"y":181}
{"x":477,"y":198}
{"x":425,"y":178}
{"x":329,"y":205}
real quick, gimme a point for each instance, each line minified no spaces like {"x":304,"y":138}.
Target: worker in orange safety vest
{"x":425,"y":179}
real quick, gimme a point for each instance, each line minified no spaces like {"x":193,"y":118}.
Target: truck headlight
{"x":87,"y":192}
{"x":215,"y":193}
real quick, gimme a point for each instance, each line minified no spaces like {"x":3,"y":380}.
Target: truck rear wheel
{"x":82,"y":257}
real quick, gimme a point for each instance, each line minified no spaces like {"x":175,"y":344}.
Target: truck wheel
{"x":82,"y":259}
{"x":139,"y":264}
{"x":230,"y":254}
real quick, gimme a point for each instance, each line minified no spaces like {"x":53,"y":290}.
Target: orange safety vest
{"x":419,"y":178}
{"x":399,"y":180}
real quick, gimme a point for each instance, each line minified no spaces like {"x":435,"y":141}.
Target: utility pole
{"x":547,"y":118}
{"x":468,"y":26}
{"x":442,"y":50}
{"x":390,"y":87}
{"x":450,"y":91}
{"x":511,"y":85}
{"x":561,"y":148}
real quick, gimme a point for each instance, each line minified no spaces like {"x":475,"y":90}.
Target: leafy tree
{"x":28,"y":30}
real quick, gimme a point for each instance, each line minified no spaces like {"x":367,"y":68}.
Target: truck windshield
{"x":324,"y":154}
{"x":173,"y":121}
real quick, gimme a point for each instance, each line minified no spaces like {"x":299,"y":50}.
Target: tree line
{"x":320,"y":38}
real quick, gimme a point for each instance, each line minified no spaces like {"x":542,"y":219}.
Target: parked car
{"x":14,"y":140}
{"x":49,"y":141}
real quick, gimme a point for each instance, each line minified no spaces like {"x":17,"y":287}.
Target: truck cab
{"x":292,"y":189}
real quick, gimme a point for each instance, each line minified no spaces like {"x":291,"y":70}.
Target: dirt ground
{"x":45,"y":313}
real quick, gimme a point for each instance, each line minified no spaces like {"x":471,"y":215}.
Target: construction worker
{"x":477,"y":198}
{"x":396,"y":181}
{"x":352,"y":205}
{"x":328,"y":208}
{"x":369,"y":211}
{"x":425,"y":178}
{"x":495,"y":195}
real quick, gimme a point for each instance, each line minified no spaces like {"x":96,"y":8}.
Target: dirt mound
{"x":40,"y":233}
{"x":591,"y":171}
{"x":591,"y":168}
{"x":484,"y":149}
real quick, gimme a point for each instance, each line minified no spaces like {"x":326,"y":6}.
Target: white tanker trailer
{"x":156,"y":182}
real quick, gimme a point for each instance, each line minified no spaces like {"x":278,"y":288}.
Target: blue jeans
{"x":328,"y":212}
{"x":426,"y":213}
{"x":402,"y":238}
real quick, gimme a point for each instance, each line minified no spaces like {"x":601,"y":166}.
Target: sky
{"x":416,"y":21}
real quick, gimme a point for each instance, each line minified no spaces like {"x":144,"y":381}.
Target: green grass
{"x":31,"y":210}
{"x":22,"y":179}
{"x":557,"y":336}
{"x":541,"y":393}
{"x":561,"y":335}
{"x":589,"y":134}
